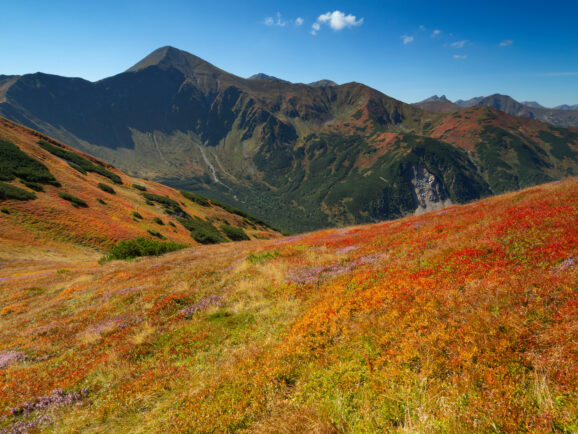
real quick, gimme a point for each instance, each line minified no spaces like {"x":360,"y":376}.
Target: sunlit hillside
{"x":458,"y":320}
{"x":55,"y":200}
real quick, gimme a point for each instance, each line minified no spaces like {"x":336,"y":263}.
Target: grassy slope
{"x":460,"y":320}
{"x":50,"y":222}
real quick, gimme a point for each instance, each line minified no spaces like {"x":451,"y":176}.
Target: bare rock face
{"x":430,"y":194}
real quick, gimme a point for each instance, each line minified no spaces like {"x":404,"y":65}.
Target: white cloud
{"x":337,"y":20}
{"x":299,"y":21}
{"x":315,"y":28}
{"x":407,"y":39}
{"x":459,"y":44}
{"x":460,"y":57}
{"x":422,"y":27}
{"x":506,"y":43}
{"x":435,"y":33}
{"x":277,"y":21}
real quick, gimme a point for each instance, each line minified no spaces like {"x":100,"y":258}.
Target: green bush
{"x":203,"y":201}
{"x":33,"y":185}
{"x":170,"y":206}
{"x":156,"y":234}
{"x":130,"y":249}
{"x":158,"y":221}
{"x":172,"y":224}
{"x":5,"y":210}
{"x":78,"y":162}
{"x":139,"y":187}
{"x":136,"y":215}
{"x":99,"y":200}
{"x":234,"y":234}
{"x":15,"y":163}
{"x":106,"y":188}
{"x":8,"y":191}
{"x":202,"y":231}
{"x":75,"y":201}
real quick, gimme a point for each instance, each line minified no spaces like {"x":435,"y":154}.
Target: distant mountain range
{"x":564,"y":115}
{"x":299,"y":156}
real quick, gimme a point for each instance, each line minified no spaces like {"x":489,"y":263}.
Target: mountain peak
{"x":323,"y":83}
{"x":166,"y":57}
{"x":262,"y":76}
{"x":436,"y":98}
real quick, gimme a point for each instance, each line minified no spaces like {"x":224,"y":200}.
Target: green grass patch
{"x":75,"y":201}
{"x":78,"y":162}
{"x":106,"y":188}
{"x":33,"y":185}
{"x":170,"y":206}
{"x":234,"y":234}
{"x":260,"y":258}
{"x":130,"y":249}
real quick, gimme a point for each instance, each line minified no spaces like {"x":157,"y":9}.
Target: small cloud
{"x":315,"y":28}
{"x":435,"y":33}
{"x":506,"y":43}
{"x":460,"y":57}
{"x":337,"y":20}
{"x":459,"y":44}
{"x":407,"y":39}
{"x":299,"y":21}
{"x":277,"y":21}
{"x":422,"y":27}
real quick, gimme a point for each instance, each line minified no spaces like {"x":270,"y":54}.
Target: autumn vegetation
{"x":458,"y":320}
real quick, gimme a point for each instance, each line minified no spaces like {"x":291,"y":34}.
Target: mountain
{"x":261,"y":76}
{"x":438,"y":104}
{"x":461,"y":320}
{"x":533,"y":104}
{"x":54,"y":197}
{"x":302,"y":157}
{"x":533,"y":110}
{"x":566,"y":107}
{"x":323,"y":83}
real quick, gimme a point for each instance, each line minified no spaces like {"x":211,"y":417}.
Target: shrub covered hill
{"x":458,"y":320}
{"x":55,"y":198}
{"x":300,"y":156}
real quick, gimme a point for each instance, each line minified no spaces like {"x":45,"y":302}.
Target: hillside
{"x":459,"y":320}
{"x":302,"y":157}
{"x":55,"y":199}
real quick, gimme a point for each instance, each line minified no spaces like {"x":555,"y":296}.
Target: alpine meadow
{"x":191,"y":245}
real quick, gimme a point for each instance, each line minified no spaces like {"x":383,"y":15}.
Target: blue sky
{"x":407,"y":49}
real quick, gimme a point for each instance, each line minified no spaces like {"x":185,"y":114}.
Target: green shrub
{"x":156,"y":234}
{"x":99,"y":200}
{"x":79,"y":163}
{"x":203,"y":201}
{"x":75,"y":201}
{"x":33,"y":185}
{"x":139,"y":187}
{"x":5,"y":210}
{"x":170,"y":206}
{"x":172,"y":224}
{"x":129,"y":249}
{"x":158,"y":221}
{"x":106,"y":188}
{"x":136,"y":215}
{"x":202,"y":231}
{"x":234,"y":234}
{"x":15,"y":163}
{"x":8,"y":191}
